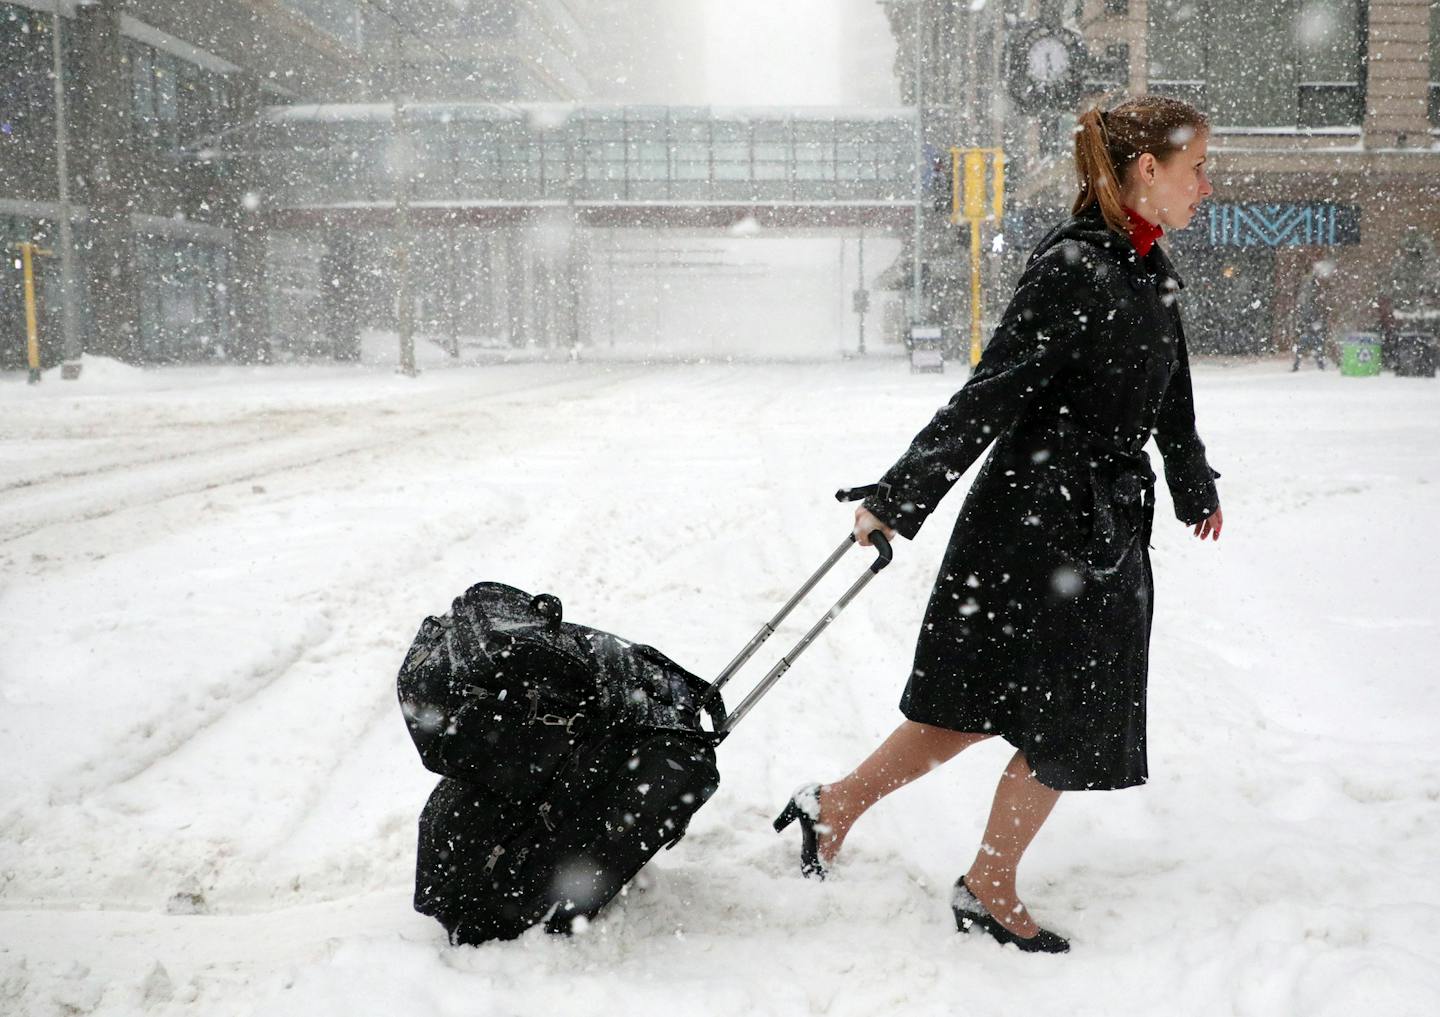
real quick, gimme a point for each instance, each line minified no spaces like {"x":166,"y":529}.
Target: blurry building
{"x":158,"y":232}
{"x":497,"y":50}
{"x":1326,"y":145}
{"x":500,"y":282}
{"x":640,"y":49}
{"x":866,"y":55}
{"x":171,"y":262}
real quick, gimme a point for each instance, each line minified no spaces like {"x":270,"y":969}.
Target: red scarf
{"x":1142,"y":234}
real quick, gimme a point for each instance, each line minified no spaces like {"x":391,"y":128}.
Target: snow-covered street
{"x":208,"y":798}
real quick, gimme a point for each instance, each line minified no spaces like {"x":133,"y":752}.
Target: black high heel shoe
{"x":970,"y":911}
{"x":804,"y":805}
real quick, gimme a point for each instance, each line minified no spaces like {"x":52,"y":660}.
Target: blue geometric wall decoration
{"x":1294,"y":224}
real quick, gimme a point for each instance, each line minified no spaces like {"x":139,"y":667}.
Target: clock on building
{"x":1043,"y":67}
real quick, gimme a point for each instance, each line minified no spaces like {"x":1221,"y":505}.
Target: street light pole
{"x":919,"y":160}
{"x":864,"y":295}
{"x":404,"y":154}
{"x":405,"y":323}
{"x":70,"y":369}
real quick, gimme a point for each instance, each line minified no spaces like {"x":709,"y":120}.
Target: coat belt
{"x":1132,"y":480}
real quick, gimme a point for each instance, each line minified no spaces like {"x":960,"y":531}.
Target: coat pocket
{"x":1065,"y":504}
{"x":1114,"y":522}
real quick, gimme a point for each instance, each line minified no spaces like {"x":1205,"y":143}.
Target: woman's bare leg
{"x":1021,"y":806}
{"x":911,"y":751}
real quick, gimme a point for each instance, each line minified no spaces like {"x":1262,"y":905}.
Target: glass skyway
{"x":622,"y":165}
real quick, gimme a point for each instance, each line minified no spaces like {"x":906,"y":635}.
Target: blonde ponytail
{"x":1107,"y":141}
{"x":1099,"y":183}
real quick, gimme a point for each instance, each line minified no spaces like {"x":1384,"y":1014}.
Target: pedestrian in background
{"x":1311,"y":319}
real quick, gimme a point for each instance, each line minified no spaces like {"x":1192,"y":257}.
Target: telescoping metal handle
{"x":883,"y":557}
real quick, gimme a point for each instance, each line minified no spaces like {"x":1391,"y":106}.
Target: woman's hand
{"x":867,"y":522}
{"x":1210,"y":527}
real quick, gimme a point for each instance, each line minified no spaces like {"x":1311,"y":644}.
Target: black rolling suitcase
{"x":569,"y":756}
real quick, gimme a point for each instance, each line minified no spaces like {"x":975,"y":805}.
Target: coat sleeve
{"x":1187,"y":472}
{"x":1043,"y":330}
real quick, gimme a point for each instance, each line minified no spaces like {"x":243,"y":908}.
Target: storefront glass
{"x":182,"y":298}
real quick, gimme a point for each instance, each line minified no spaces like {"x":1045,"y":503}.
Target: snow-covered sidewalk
{"x":208,"y":798}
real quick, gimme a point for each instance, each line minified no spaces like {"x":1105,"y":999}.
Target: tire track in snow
{"x":19,"y":521}
{"x":313,"y":651}
{"x":331,"y":491}
{"x":569,"y":456}
{"x":371,"y":744}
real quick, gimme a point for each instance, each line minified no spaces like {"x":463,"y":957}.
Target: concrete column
{"x":455,"y":294}
{"x":340,"y":294}
{"x":374,"y":285}
{"x":541,"y":330}
{"x":576,"y":291}
{"x":1397,"y":74}
{"x":516,"y":286}
{"x":101,"y":144}
{"x":481,"y":279}
{"x":243,"y":205}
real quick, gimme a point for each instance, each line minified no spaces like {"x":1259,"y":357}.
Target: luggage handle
{"x":884,"y":555}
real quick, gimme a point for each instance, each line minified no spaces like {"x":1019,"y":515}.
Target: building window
{"x":1329,"y":63}
{"x":204,"y":103}
{"x":1176,"y":46}
{"x":142,"y":85}
{"x":1109,"y":71}
{"x":1288,"y":63}
{"x":339,"y":19}
{"x":154,"y":94}
{"x":182,"y":304}
{"x":167,"y":92}
{"x":174,"y":102}
{"x":26,"y":94}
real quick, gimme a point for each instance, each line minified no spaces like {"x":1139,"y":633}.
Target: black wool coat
{"x":1038,"y":628}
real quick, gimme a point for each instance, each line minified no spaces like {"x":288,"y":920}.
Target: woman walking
{"x":1038,"y":626}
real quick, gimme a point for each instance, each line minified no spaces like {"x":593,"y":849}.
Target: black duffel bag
{"x":501,"y":690}
{"x":490,"y":868}
{"x":570,"y":755}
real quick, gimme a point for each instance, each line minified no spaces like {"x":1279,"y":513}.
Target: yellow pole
{"x":32,"y":328}
{"x":974,"y":206}
{"x":32,"y":331}
{"x":974,"y":292}
{"x":974,"y":183}
{"x":999,"y":187}
{"x":968,"y":193}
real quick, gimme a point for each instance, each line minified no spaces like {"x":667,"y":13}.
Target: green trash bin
{"x":1360,"y":355}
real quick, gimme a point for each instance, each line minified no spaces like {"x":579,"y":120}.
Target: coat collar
{"x":1163,"y":266}
{"x":1089,"y":226}
{"x":1143,"y":233}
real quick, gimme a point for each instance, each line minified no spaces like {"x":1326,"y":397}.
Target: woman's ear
{"x":1145,"y":168}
